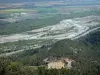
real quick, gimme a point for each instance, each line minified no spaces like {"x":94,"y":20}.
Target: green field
{"x":13,"y":10}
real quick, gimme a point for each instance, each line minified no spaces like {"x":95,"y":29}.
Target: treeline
{"x":8,"y":67}
{"x":29,"y":62}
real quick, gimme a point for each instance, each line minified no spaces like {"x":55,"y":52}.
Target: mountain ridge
{"x":17,"y":1}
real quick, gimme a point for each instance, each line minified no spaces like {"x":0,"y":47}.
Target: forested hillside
{"x":85,"y":54}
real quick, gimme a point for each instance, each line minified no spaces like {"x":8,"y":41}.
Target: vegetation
{"x":85,"y":51}
{"x":15,"y":68}
{"x":30,"y":23}
{"x":13,"y":10}
{"x":86,"y":58}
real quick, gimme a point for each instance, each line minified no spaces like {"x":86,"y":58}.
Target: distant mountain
{"x":16,"y":1}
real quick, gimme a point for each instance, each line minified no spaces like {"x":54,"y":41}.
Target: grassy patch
{"x":46,"y":10}
{"x":13,"y":10}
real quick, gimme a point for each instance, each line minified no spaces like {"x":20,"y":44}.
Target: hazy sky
{"x":8,"y":1}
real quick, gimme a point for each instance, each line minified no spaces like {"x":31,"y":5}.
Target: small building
{"x":61,"y":63}
{"x":56,"y":65}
